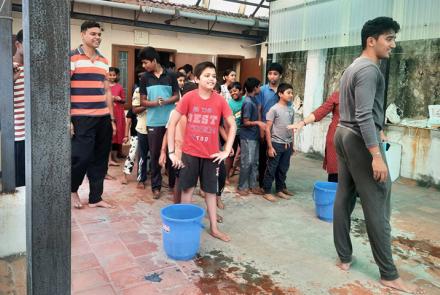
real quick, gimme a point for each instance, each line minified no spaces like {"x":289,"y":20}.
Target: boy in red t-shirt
{"x":201,"y":155}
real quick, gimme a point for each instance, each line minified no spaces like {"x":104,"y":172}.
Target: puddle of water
{"x":224,"y":276}
{"x":421,"y":251}
{"x":422,"y":246}
{"x":358,"y":228}
{"x":155,"y":277}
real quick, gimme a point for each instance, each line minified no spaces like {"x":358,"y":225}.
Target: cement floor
{"x":276,"y":248}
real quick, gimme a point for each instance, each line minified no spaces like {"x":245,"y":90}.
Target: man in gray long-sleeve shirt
{"x":361,"y":160}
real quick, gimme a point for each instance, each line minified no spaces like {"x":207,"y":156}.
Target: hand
{"x":271,"y":152}
{"x":72,"y":130}
{"x":232,"y":153}
{"x":176,"y":162}
{"x":383,"y":137}
{"x":296,"y":127}
{"x":160,"y":101}
{"x":262,"y":125}
{"x":220,"y":156}
{"x":117,"y":98}
{"x":380,"y":170}
{"x":113,"y":128}
{"x":163,"y":158}
{"x":17,"y":71}
{"x":125,"y":140}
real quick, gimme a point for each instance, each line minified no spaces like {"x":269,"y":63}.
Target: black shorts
{"x":196,"y":167}
{"x":235,"y":145}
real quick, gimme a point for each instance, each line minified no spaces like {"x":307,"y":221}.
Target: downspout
{"x":171,"y":12}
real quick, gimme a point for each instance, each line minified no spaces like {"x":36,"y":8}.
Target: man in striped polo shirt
{"x":19,"y":120}
{"x":91,"y":110}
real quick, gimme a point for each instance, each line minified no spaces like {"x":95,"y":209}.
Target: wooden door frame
{"x":131,"y":63}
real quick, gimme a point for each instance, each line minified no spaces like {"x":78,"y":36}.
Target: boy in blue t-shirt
{"x":235,"y":104}
{"x":249,"y":140}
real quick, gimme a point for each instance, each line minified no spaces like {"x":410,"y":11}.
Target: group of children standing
{"x":210,"y":128}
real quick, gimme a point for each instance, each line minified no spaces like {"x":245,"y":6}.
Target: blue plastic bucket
{"x":324,"y":197}
{"x":182,"y":225}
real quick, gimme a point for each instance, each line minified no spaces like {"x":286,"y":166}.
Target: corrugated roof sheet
{"x":190,"y":8}
{"x":297,"y":25}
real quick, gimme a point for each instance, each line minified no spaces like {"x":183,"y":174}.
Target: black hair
{"x":283,"y":87}
{"x":114,"y":69}
{"x":218,"y":87}
{"x":376,"y":27}
{"x":171,"y":64}
{"x":180,"y":75}
{"x":139,"y":70}
{"x":19,"y":37}
{"x":275,"y":67}
{"x":88,"y":24}
{"x":201,"y":67}
{"x":227,"y":72}
{"x":149,"y":53}
{"x":188,"y":68}
{"x":189,"y":86}
{"x":235,"y":85}
{"x":251,"y":83}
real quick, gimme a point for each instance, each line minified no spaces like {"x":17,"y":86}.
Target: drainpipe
{"x":170,"y":12}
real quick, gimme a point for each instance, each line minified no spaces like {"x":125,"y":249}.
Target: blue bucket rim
{"x":182,"y":220}
{"x":316,"y":185}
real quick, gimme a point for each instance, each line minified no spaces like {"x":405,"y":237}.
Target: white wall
{"x":307,"y":140}
{"x":12,"y":223}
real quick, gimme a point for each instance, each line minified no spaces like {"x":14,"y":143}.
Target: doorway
{"x":126,"y":58}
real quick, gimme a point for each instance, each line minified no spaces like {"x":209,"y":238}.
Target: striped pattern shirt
{"x":19,"y":120}
{"x":87,"y":77}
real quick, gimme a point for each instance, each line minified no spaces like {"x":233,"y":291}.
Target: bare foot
{"x":282,"y":196}
{"x":124,"y":179}
{"x":76,"y":201}
{"x":109,"y":177}
{"x":270,"y":197}
{"x":220,"y":203}
{"x":113,"y":163}
{"x":219,"y":235}
{"x":402,"y":286}
{"x":140,"y":185}
{"x":344,"y":266}
{"x":102,"y":204}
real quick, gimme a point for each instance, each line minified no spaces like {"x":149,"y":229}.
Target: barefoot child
{"x":118,"y":96}
{"x":130,"y":135}
{"x":279,"y":144}
{"x":235,"y":104}
{"x":201,"y":156}
{"x":249,"y":140}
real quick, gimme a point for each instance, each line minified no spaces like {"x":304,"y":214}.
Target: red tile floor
{"x":114,"y":251}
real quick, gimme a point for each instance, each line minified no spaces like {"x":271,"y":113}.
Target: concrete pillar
{"x":47,"y":97}
{"x":6,"y":101}
{"x":313,"y":97}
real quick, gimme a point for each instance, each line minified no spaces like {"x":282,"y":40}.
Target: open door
{"x":251,"y":67}
{"x":123,"y":57}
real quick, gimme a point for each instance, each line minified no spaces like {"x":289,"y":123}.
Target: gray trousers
{"x":248,"y":164}
{"x":356,"y":174}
